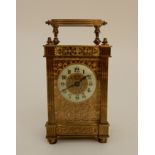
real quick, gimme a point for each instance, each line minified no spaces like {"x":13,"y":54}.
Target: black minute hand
{"x":75,"y":83}
{"x":68,"y":87}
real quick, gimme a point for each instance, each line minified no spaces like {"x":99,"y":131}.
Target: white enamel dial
{"x":76,"y":83}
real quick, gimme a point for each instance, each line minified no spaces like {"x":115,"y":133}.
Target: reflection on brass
{"x":89,"y":117}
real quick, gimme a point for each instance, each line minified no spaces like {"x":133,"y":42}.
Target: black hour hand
{"x":83,"y":78}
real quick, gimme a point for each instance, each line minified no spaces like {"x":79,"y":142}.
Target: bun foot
{"x":102,"y":140}
{"x":52,"y":140}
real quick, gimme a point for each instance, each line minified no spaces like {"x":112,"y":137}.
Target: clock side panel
{"x":85,"y":112}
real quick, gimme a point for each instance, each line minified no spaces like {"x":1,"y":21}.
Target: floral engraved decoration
{"x":76,"y":51}
{"x":59,"y":65}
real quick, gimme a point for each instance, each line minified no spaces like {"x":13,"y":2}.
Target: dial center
{"x":78,"y":82}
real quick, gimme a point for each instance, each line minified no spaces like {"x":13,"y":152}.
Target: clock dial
{"x":76,"y":83}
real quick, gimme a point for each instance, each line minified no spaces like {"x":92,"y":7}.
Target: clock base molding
{"x":60,"y":131}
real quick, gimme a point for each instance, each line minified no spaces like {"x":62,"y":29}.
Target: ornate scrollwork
{"x":59,"y":65}
{"x":76,"y":51}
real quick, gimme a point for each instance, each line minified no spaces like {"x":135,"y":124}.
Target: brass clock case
{"x":77,"y":84}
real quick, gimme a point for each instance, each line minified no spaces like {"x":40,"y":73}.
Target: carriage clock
{"x":77,"y":80}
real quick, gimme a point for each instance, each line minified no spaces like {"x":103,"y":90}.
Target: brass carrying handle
{"x":55,"y":23}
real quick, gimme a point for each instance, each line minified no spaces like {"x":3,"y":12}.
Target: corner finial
{"x":49,"y":41}
{"x":105,"y":41}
